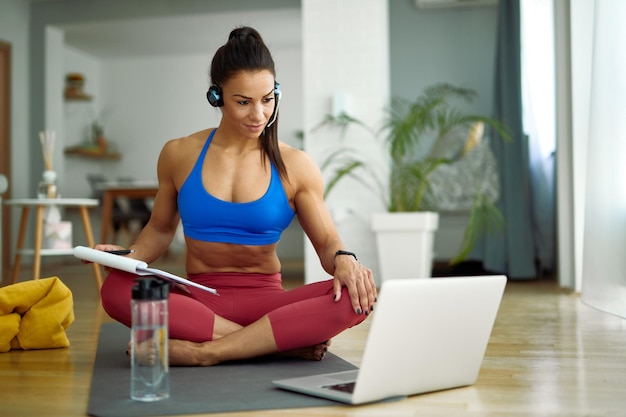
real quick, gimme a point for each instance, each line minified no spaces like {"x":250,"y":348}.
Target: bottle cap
{"x":150,"y":288}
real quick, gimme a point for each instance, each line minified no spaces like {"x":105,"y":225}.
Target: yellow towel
{"x":34,"y":314}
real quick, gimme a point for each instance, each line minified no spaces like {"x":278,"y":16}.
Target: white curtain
{"x":539,"y":118}
{"x":604,"y":242}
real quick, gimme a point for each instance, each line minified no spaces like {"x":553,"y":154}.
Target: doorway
{"x":5,"y":149}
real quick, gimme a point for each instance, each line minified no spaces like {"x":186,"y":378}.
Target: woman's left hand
{"x":359,"y":281}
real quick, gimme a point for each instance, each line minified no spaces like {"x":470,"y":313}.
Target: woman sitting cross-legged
{"x":236,"y":188}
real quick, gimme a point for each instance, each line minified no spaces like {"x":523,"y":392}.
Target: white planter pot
{"x":405,"y":243}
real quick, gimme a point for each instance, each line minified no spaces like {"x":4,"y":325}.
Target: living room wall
{"x":426,"y":46}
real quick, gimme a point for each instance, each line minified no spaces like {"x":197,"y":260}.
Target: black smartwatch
{"x":345,"y":252}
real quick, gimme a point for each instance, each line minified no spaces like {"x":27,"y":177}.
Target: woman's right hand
{"x":108,"y":247}
{"x":104,"y":247}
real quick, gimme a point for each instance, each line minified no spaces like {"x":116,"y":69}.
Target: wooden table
{"x":113,"y":190}
{"x":40,"y":205}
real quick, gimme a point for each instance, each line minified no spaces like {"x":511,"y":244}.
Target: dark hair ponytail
{"x":246,"y":51}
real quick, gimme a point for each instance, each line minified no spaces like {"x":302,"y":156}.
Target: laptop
{"x":426,"y":335}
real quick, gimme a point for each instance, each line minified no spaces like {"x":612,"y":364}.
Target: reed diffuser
{"x":48,"y":186}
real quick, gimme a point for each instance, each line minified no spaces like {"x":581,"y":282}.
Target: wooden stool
{"x":40,"y":205}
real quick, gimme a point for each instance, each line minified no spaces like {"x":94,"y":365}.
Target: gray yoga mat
{"x":228,"y":387}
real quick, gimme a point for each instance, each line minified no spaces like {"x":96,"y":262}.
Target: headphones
{"x":214,"y":96}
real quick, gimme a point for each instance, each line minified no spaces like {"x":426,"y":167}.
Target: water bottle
{"x":149,"y":364}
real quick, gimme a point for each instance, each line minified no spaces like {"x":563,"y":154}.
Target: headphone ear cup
{"x":277,"y":92}
{"x":214,"y":96}
{"x":277,"y":95}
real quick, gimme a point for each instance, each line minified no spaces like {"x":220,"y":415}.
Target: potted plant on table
{"x":437,"y":161}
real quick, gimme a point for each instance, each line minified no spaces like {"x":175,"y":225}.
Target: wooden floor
{"x":549,"y":355}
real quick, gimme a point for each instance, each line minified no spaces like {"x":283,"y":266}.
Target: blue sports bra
{"x":210,"y":219}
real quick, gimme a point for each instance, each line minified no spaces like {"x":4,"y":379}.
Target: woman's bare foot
{"x":146,"y":352}
{"x":312,"y":353}
{"x":185,"y":353}
{"x":181,"y":353}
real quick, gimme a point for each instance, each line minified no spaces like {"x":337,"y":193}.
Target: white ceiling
{"x":180,"y":34}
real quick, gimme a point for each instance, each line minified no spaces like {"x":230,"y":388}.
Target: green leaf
{"x":485,"y":217}
{"x":339,"y":174}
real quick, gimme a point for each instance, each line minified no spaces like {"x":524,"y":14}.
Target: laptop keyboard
{"x":343,"y":387}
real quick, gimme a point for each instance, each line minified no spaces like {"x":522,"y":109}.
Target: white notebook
{"x":134,"y":266}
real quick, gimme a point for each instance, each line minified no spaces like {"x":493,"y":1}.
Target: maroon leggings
{"x":301,"y":317}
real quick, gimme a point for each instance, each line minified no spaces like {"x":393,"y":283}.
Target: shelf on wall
{"x":77,"y":97}
{"x":95,"y":153}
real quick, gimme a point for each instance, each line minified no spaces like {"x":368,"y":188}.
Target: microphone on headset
{"x":277,"y":94}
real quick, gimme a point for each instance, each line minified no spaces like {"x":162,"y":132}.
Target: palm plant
{"x":420,"y":136}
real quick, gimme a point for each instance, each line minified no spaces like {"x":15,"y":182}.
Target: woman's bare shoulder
{"x":303,"y":171}
{"x":296,"y":159}
{"x":179,"y":155}
{"x":182,"y":146}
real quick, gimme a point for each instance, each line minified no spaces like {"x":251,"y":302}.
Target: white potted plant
{"x":423,"y":137}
